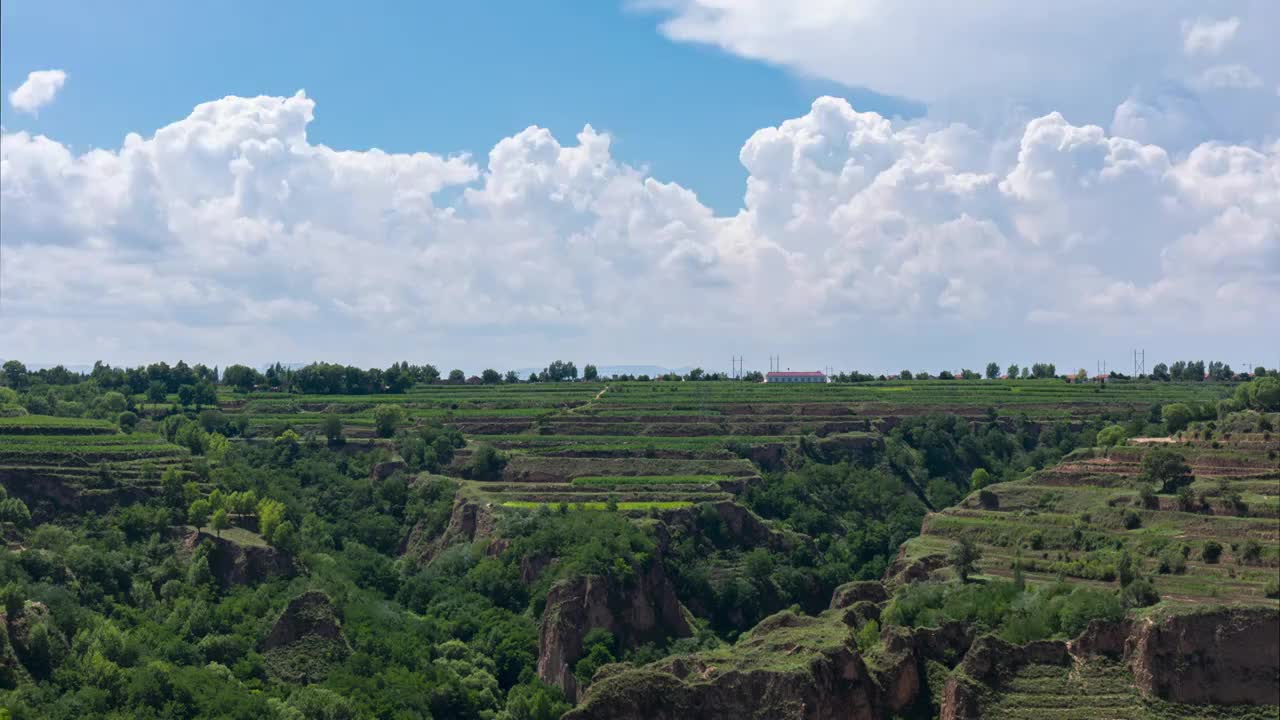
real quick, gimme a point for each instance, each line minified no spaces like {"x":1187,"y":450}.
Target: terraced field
{"x":675,"y":442}
{"x":59,"y":464}
{"x":1074,"y":518}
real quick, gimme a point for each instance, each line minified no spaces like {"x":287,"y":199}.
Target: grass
{"x":630,"y":505}
{"x":649,"y":479}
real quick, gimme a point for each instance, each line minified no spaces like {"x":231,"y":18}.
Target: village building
{"x":795,"y":377}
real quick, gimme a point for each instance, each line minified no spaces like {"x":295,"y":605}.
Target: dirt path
{"x":590,"y":402}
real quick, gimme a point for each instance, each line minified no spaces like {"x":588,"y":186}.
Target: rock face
{"x":1227,"y":656}
{"x":864,"y":591}
{"x":468,"y":522}
{"x":825,"y":681}
{"x":234,"y":564}
{"x":645,"y":609}
{"x":386,"y":469}
{"x":306,"y":641}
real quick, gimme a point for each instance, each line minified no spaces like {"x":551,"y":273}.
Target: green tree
{"x":156,"y":392}
{"x":490,"y":377}
{"x":204,"y":394}
{"x":198,"y":512}
{"x":1176,"y":417}
{"x":963,"y":557}
{"x":271,"y":513}
{"x":993,"y":371}
{"x":127,"y":421}
{"x":13,"y":510}
{"x":331,"y":426}
{"x":16,"y":376}
{"x":1111,"y":436}
{"x":186,"y":395}
{"x":386,"y":418}
{"x":241,"y":377}
{"x":1012,"y":372}
{"x":979,"y":479}
{"x":589,"y":372}
{"x":457,"y":377}
{"x":1166,"y":468}
{"x":219,"y":521}
{"x":486,"y":463}
{"x":511,"y":378}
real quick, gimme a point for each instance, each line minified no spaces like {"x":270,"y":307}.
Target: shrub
{"x":1211,"y":551}
{"x":1272,"y":590}
{"x":1132,"y":520}
{"x":1250,"y":552}
{"x":1139,"y":593}
{"x":979,"y":479}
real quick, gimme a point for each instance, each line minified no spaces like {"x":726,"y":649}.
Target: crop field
{"x":1072,"y":520}
{"x":673,"y":442}
{"x":56,"y":464}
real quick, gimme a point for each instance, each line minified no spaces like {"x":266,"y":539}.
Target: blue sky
{"x":445,"y":77}
{"x":845,"y":183}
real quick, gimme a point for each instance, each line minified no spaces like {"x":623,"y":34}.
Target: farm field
{"x":1074,"y":519}
{"x":558,"y":436}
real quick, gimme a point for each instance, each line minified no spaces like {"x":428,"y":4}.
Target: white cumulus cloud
{"x":980,"y":62}
{"x":40,"y":88}
{"x":228,"y":235}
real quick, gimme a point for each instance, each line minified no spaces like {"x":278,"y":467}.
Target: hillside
{"x":637,"y":549}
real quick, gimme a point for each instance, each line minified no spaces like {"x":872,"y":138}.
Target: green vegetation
{"x":438,"y":512}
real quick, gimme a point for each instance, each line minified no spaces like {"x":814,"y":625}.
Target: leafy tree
{"x":963,"y":557}
{"x":1012,"y":372}
{"x":156,"y":392}
{"x":1161,"y":372}
{"x":486,"y":463}
{"x":1111,"y":436}
{"x":457,"y":377}
{"x":1176,"y":417}
{"x":331,"y":426}
{"x":597,"y":651}
{"x":16,"y":375}
{"x":590,"y":372}
{"x":127,"y":421}
{"x":1166,"y":468}
{"x":979,"y":479}
{"x":491,"y":377}
{"x":204,"y":394}
{"x":13,"y":510}
{"x":186,"y":395}
{"x":511,"y":378}
{"x":993,"y":371}
{"x":905,"y":374}
{"x":198,"y":512}
{"x":271,"y":513}
{"x":241,"y":377}
{"x":386,"y":418}
{"x":219,"y":521}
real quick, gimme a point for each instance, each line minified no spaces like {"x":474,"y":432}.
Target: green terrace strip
{"x":49,"y":425}
{"x":663,"y":505}
{"x":649,"y":480}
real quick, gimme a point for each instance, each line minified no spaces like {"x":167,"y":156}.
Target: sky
{"x":851,"y":184}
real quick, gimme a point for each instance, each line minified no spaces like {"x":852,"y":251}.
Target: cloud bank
{"x":38,"y":90}
{"x":229,"y":235}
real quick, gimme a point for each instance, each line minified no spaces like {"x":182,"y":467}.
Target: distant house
{"x":795,"y":377}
